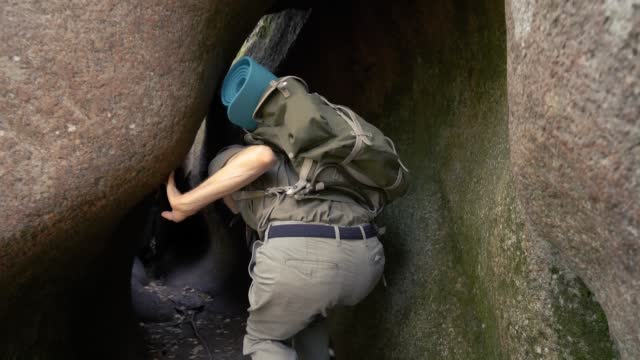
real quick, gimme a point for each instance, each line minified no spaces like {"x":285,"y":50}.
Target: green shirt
{"x":262,"y":210}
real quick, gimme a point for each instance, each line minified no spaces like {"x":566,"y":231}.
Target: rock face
{"x":467,"y":277}
{"x":273,"y":36}
{"x":99,"y":101}
{"x":574,"y":121}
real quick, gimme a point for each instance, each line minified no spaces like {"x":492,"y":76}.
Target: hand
{"x":179,"y":210}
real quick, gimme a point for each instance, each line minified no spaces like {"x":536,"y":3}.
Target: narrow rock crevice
{"x":467,"y":276}
{"x":189,"y":281}
{"x":519,"y":122}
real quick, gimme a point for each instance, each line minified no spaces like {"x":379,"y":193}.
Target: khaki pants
{"x":295,"y":281}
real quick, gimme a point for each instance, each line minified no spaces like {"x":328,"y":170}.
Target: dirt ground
{"x":212,"y":331}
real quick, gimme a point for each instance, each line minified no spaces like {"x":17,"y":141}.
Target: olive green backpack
{"x":332,"y":148}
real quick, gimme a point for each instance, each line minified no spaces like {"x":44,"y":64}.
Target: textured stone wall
{"x":574,"y":120}
{"x":466,"y":278}
{"x":99,"y":101}
{"x":272,"y":37}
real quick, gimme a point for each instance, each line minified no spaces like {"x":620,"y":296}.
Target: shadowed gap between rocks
{"x":189,"y":280}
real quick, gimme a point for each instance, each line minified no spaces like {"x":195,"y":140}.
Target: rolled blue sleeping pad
{"x":242,"y":89}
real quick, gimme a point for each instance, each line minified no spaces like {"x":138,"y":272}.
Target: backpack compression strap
{"x":301,"y":187}
{"x":350,"y":117}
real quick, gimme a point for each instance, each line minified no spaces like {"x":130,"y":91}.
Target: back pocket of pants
{"x":312,"y":269}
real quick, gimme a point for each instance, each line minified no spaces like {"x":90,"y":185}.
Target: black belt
{"x":322,"y":231}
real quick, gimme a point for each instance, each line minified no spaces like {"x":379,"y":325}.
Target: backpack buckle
{"x":282,"y":87}
{"x":297,"y":188}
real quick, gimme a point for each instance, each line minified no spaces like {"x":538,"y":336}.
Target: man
{"x":315,"y":253}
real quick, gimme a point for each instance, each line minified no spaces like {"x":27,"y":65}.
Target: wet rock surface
{"x":574,"y":122}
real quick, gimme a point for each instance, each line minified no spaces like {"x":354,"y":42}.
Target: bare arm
{"x":243,"y":168}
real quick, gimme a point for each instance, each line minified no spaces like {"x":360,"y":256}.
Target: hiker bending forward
{"x":315,"y":252}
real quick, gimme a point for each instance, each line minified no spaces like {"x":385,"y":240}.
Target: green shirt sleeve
{"x":223,"y":156}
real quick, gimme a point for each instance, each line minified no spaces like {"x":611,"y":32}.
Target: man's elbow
{"x":265,"y":157}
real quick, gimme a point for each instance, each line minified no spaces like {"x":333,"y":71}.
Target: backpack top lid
{"x":242,"y":88}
